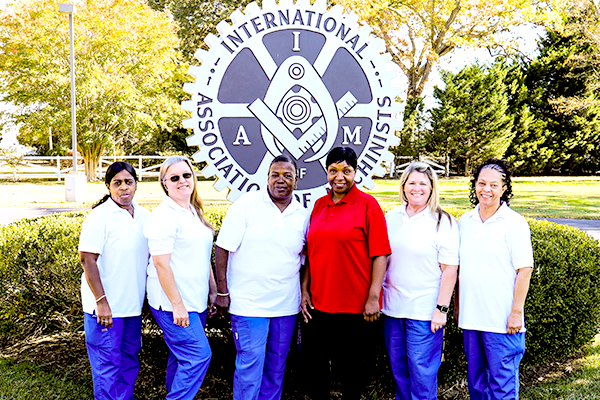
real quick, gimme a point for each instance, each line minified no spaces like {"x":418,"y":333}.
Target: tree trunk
{"x":447,"y":166}
{"x":91,"y":156}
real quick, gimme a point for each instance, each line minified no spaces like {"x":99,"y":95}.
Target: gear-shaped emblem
{"x":291,"y":78}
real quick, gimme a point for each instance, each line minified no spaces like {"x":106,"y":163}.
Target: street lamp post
{"x":75,"y":185}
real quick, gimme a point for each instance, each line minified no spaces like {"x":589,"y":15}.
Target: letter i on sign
{"x":296,"y":41}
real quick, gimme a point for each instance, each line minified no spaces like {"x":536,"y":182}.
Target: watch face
{"x":443,"y":309}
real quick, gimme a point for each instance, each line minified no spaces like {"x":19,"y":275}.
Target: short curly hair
{"x":497,"y":165}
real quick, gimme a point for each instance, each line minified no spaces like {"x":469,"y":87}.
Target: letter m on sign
{"x":353,"y":136}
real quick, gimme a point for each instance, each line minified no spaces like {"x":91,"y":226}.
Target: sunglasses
{"x":185,"y":175}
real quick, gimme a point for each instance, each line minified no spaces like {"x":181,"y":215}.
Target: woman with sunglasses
{"x":418,"y":283}
{"x":114,"y":255}
{"x":180,"y":278}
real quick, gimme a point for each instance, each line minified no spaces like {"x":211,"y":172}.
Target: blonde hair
{"x":195,"y":199}
{"x":434,"y":196}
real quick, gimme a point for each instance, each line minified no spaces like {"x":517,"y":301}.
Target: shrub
{"x":562,"y":310}
{"x":40,"y":275}
{"x":40,"y":278}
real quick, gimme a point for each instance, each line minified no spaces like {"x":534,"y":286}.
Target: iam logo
{"x":296,"y":79}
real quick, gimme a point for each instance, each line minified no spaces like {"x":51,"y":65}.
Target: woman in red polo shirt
{"x":347,"y":254}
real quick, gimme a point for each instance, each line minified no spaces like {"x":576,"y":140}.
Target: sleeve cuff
{"x":88,"y":248}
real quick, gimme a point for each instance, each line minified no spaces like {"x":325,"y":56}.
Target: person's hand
{"x":222,"y":304}
{"x":104,"y":313}
{"x":438,"y":320}
{"x":306,"y":303}
{"x":514,"y":323}
{"x":212,"y":300}
{"x":180,"y":315}
{"x":371,"y":312}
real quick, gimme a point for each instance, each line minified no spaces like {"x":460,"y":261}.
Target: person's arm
{"x":372,"y":309}
{"x":515,"y":319}
{"x":456,"y":299}
{"x":449,"y":274}
{"x":167,"y":282}
{"x":306,"y":301}
{"x":221,"y":259}
{"x":92,"y":276}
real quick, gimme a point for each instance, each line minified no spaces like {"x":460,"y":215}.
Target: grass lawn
{"x":551,"y":197}
{"x":25,"y":381}
{"x":578,"y":382}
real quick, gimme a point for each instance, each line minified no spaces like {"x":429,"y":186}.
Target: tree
{"x":13,"y":158}
{"x":471,"y":123}
{"x":128,"y":73}
{"x":526,"y":154}
{"x":416,"y":119}
{"x":562,"y":95}
{"x":196,"y":19}
{"x":419,"y":32}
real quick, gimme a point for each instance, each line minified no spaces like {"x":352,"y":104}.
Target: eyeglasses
{"x":185,"y":175}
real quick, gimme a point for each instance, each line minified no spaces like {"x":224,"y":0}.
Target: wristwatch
{"x":443,"y":309}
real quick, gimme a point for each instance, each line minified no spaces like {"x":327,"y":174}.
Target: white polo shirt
{"x":117,"y":237}
{"x":412,"y":281}
{"x":491,"y":252}
{"x":265,"y":254}
{"x":173,"y":230}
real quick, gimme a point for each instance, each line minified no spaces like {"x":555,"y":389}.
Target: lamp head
{"x":67,"y":8}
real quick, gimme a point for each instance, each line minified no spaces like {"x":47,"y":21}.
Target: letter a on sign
{"x":242,"y":136}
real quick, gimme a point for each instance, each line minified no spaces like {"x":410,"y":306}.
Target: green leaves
{"x":471,"y":123}
{"x":128,"y":74}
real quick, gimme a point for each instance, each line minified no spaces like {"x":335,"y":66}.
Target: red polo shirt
{"x":342,"y":240}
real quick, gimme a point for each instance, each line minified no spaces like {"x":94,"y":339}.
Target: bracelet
{"x":223,"y":294}
{"x":100,"y":298}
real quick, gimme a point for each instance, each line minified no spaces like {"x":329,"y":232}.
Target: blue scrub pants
{"x":189,"y":354}
{"x":262,"y":346}
{"x":493,"y":364}
{"x":415,"y":357}
{"x":113,"y":354}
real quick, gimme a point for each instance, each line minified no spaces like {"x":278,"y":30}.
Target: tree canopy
{"x":196,"y":19}
{"x":128,"y":74}
{"x":419,"y":32}
{"x":471,"y":123}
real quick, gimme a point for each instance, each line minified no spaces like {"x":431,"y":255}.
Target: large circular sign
{"x":296,"y":79}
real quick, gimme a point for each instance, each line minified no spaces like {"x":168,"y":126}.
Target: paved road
{"x":8,"y":215}
{"x":591,"y":226}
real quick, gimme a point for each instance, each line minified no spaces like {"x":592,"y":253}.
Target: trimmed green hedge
{"x":40,"y":278}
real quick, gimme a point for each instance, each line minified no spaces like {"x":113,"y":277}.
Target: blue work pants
{"x":189,"y":354}
{"x":415,"y":357}
{"x":493,"y":364}
{"x":113,"y":354}
{"x":262,"y":346}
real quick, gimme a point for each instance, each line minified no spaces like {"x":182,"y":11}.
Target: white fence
{"x":396,"y":170}
{"x":35,"y":167}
